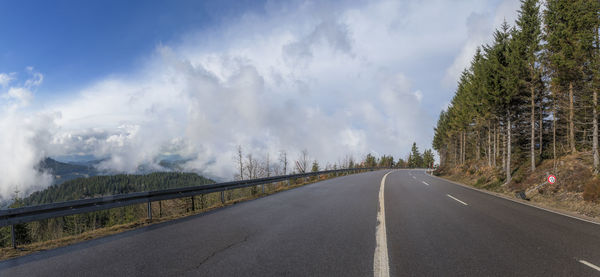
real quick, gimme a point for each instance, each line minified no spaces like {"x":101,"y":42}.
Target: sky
{"x":132,"y":82}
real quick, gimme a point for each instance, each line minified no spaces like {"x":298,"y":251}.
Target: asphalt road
{"x":432,"y":228}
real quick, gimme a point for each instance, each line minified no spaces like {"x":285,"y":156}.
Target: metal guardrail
{"x":45,"y":211}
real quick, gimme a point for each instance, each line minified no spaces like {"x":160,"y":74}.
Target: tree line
{"x":250,"y":166}
{"x":92,"y":187}
{"x":530,"y":95}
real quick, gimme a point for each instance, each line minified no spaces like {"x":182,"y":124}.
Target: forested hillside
{"x":98,"y":186}
{"x":91,"y":187}
{"x":528,"y":104}
{"x":63,"y":172}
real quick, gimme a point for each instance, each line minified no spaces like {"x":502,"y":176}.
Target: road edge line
{"x":590,"y":264}
{"x":381,"y":265}
{"x":514,"y":200}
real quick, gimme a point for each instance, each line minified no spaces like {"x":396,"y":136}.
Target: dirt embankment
{"x":576,"y":190}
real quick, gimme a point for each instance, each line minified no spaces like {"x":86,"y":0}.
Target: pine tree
{"x":315,"y":166}
{"x":415,"y":160}
{"x":516,"y":85}
{"x":428,"y":159}
{"x":503,"y":87}
{"x":370,"y":161}
{"x":525,"y":61}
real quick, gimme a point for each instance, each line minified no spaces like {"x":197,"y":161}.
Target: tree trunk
{"x":495,"y":146}
{"x":595,"y":134}
{"x":571,"y":123}
{"x":541,"y":129}
{"x":532,"y":150}
{"x":240,"y":158}
{"x":461,"y":150}
{"x":464,"y":158}
{"x":455,"y":153}
{"x":508,"y":148}
{"x":503,"y":149}
{"x":462,"y":147}
{"x":489,"y":145}
{"x":554,"y":132}
{"x":478,"y":153}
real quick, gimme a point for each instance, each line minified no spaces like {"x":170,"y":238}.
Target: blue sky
{"x":75,"y":42}
{"x":133,"y":81}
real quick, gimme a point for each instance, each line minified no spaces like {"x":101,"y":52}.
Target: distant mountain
{"x":81,"y":179}
{"x":97,"y":186}
{"x":67,"y":171}
{"x":71,"y":170}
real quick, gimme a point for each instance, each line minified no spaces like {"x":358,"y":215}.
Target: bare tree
{"x":251,"y":167}
{"x":267,"y":166}
{"x":348,"y":162}
{"x":276,"y":169}
{"x":302,"y":162}
{"x":351,"y":163}
{"x":342,"y":163}
{"x":283,"y":160}
{"x":239,"y":158}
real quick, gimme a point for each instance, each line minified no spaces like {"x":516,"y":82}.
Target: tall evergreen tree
{"x":511,"y":85}
{"x":428,"y":158}
{"x":502,"y":87}
{"x":525,"y":61}
{"x":415,"y":160}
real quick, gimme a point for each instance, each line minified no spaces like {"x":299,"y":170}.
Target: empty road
{"x":417,"y":225}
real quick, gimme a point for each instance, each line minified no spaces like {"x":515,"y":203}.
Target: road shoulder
{"x":540,"y":206}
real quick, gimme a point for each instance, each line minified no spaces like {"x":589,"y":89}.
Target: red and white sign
{"x":551,"y":179}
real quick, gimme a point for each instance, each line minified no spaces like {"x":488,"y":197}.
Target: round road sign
{"x":551,"y":179}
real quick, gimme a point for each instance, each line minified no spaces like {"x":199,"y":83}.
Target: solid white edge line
{"x":424,"y":183}
{"x":381,"y":265}
{"x":514,"y":200}
{"x":457,"y":199}
{"x":590,"y":264}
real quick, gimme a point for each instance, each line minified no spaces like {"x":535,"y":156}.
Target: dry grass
{"x":168,"y":207}
{"x":573,"y":174}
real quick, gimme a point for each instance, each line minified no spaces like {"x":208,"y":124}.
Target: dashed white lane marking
{"x":381,"y":265}
{"x":514,"y":200}
{"x":425,"y":183}
{"x":457,"y":199}
{"x":414,"y":177}
{"x":590,"y":264}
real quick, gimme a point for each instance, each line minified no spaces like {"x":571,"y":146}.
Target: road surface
{"x":426,"y":227}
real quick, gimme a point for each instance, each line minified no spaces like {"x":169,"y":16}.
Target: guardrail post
{"x":263,"y":188}
{"x":193,"y":208}
{"x":222,"y":197}
{"x":12,"y":235}
{"x":149,"y":210}
{"x":288,"y":182}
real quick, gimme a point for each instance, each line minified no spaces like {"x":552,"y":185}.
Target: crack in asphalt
{"x":221,"y":250}
{"x":214,"y":253}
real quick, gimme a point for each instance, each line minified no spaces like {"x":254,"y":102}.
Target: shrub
{"x":591,"y":191}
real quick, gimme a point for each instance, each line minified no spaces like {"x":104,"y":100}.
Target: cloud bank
{"x":331,"y":80}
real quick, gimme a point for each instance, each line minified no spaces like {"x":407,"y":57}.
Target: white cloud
{"x":480,"y":28}
{"x":332,"y":80}
{"x":18,"y":96}
{"x":23,"y":143}
{"x":6,"y":79}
